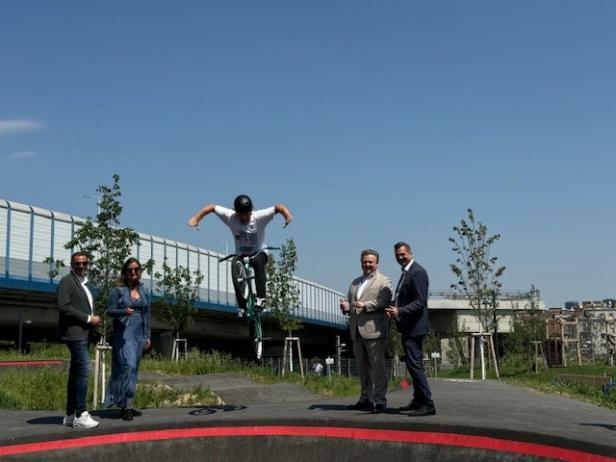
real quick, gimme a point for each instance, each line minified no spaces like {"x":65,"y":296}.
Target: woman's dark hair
{"x":123,"y":280}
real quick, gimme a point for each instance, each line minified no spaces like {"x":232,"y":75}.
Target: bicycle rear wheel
{"x":256,"y":338}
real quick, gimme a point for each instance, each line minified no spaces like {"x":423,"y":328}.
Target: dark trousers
{"x":79,"y":369}
{"x":258,"y":264}
{"x":414,"y":363}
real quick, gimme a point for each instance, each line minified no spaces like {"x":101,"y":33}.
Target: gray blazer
{"x":370,"y":322}
{"x":74,"y":309}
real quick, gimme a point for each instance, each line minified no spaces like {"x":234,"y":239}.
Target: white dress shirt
{"x":84,"y":281}
{"x":362,"y":286}
{"x":404,"y":271}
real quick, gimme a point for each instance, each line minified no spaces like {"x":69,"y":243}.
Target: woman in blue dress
{"x":129,"y":306}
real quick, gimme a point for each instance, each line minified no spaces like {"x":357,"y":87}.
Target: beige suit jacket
{"x":370,"y":321}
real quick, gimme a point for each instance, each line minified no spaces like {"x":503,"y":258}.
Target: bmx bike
{"x":244,"y":283}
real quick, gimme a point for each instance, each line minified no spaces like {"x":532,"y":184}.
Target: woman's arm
{"x":148,"y":317}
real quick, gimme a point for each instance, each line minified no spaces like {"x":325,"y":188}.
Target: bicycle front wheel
{"x":240,"y":280}
{"x":256,"y":338}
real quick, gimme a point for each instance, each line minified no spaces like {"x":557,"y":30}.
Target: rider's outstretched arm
{"x":281,"y":209}
{"x":194,"y":221}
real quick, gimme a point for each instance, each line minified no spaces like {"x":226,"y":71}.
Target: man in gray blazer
{"x":77,"y":321}
{"x":368,"y":296}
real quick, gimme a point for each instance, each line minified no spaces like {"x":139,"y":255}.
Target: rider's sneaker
{"x":260,"y":305}
{"x":240,"y":314}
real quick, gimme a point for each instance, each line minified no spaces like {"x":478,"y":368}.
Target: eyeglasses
{"x":133,"y":270}
{"x":82,"y":264}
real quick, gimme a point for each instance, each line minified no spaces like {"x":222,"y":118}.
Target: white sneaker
{"x":68,"y":420}
{"x":85,"y":420}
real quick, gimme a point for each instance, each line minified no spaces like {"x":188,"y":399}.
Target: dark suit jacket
{"x":74,"y":309}
{"x":413,"y":302}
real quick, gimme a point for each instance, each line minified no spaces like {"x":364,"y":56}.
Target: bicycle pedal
{"x":266,"y":338}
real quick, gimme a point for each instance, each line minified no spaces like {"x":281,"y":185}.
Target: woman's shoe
{"x":127,"y":414}
{"x":136,"y":413}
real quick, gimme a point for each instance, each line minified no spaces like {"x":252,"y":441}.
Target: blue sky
{"x":373,"y":121}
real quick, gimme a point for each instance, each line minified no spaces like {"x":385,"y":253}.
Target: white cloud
{"x":13,"y":126}
{"x":21,"y":155}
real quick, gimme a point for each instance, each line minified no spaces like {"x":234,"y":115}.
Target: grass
{"x":157,"y":395}
{"x":44,"y":388}
{"x":515,"y":370}
{"x":198,"y":363}
{"x":33,"y":389}
{"x":37,"y":351}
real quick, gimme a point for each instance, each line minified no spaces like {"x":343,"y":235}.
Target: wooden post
{"x":538,"y":349}
{"x":100,"y":373}
{"x":472,"y":355}
{"x":482,"y":358}
{"x":97,"y":360}
{"x":176,"y":353}
{"x":563,"y":345}
{"x":284,"y":357}
{"x":483,"y":337}
{"x":288,"y":349}
{"x":494,"y":356}
{"x":299,"y":353}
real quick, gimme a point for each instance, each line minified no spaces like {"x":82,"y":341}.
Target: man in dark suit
{"x":77,"y":321}
{"x":410,"y":311}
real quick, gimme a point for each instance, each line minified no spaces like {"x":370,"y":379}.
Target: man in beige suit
{"x":369,"y":294}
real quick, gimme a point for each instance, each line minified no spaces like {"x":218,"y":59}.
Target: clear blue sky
{"x":373,"y":121}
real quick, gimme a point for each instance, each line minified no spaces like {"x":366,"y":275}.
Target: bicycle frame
{"x":253,"y":316}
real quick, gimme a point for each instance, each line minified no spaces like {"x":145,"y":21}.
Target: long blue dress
{"x":127,"y":341}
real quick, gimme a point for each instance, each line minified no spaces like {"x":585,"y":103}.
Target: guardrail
{"x":29,"y":234}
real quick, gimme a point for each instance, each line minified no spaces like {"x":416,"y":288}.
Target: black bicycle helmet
{"x":242,"y":203}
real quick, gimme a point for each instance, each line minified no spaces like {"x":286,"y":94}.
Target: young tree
{"x":179,"y":292}
{"x":107,"y":244}
{"x":478,"y":277}
{"x":282,"y":292}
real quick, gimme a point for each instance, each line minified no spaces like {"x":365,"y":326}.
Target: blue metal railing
{"x":319,"y":304}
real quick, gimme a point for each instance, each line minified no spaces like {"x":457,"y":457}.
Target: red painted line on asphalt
{"x":43,"y":362}
{"x":365,"y":434}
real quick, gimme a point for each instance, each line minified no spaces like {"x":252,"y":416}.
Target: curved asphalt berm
{"x":478,"y":421}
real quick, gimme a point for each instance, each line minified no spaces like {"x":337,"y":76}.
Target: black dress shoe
{"x":361,"y":406}
{"x":136,"y":413}
{"x":379,"y":409}
{"x":126,"y":414}
{"x":410,"y":406}
{"x":423,"y":410}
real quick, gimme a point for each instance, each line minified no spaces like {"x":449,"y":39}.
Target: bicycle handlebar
{"x":220,"y":260}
